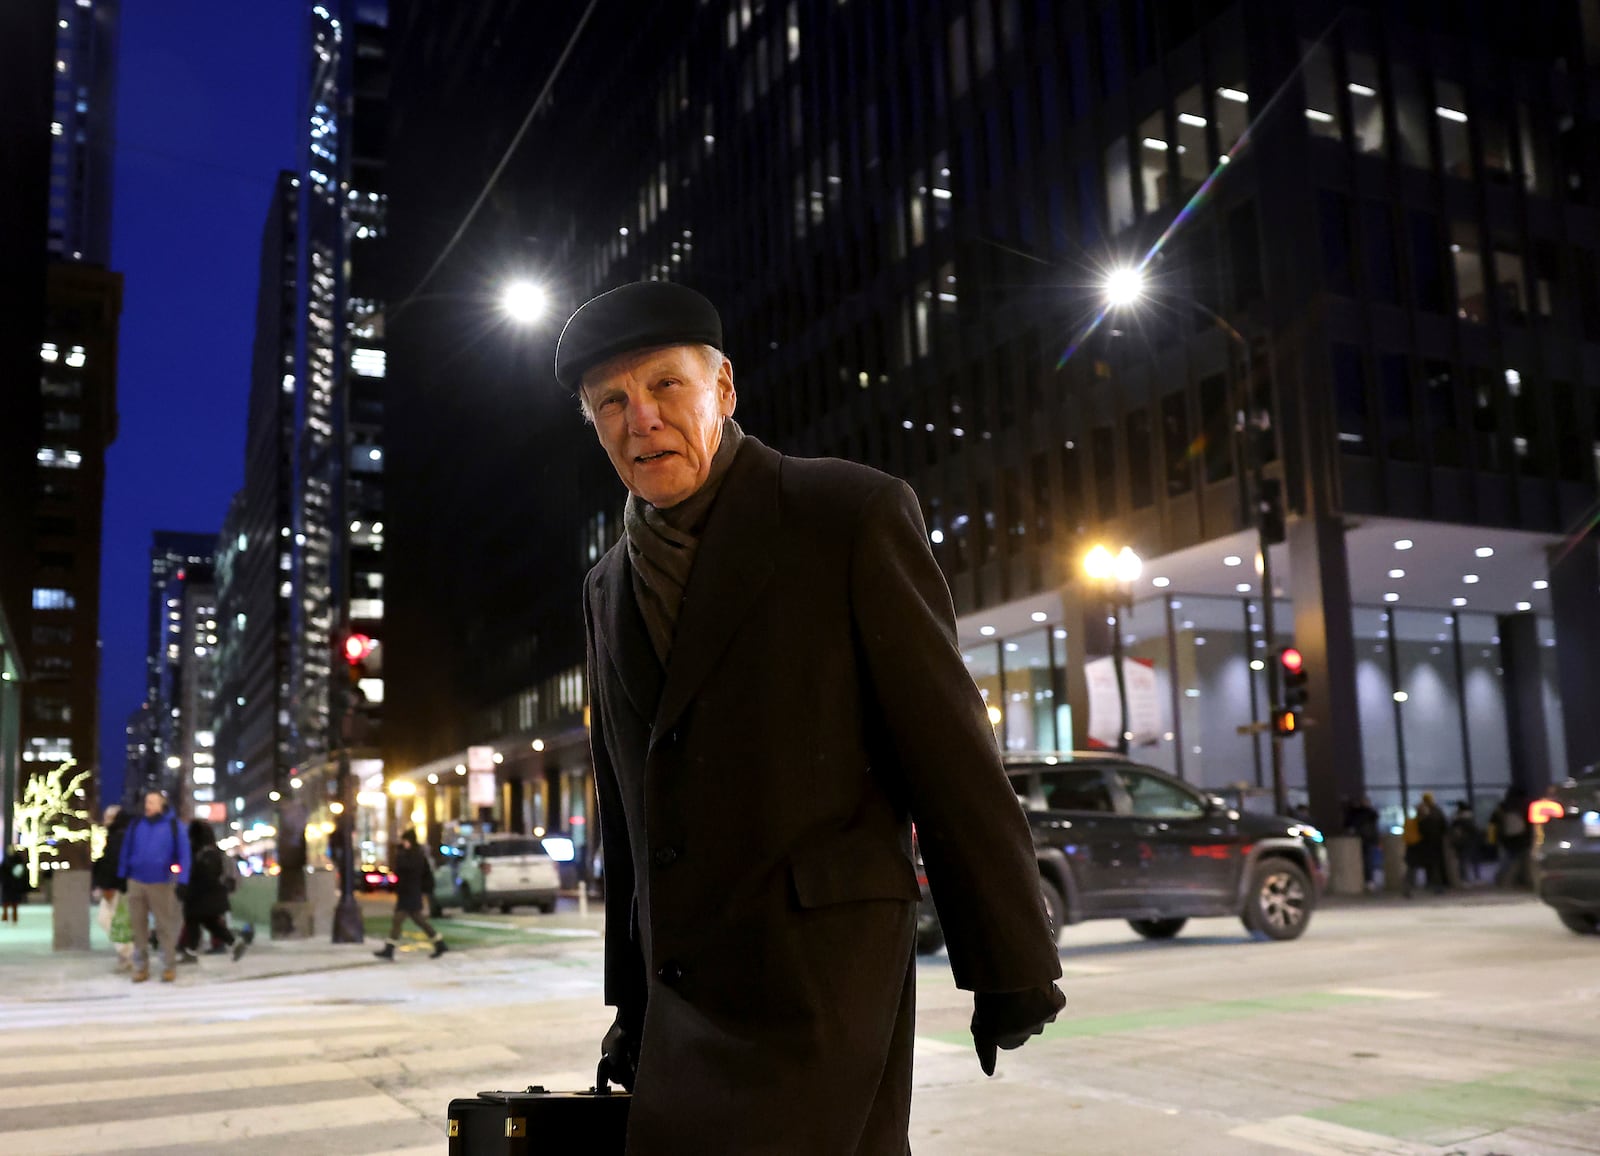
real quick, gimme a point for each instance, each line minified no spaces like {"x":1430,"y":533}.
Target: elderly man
{"x":777,"y":695}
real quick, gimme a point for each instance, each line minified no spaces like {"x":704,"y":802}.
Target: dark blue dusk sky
{"x":208,"y":112}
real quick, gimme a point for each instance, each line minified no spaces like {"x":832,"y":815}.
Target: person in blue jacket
{"x":155,"y":862}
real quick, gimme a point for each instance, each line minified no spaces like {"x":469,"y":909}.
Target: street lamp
{"x":1124,"y":287}
{"x":524,"y":302}
{"x":1116,"y":574}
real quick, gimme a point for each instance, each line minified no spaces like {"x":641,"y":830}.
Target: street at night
{"x":1001,"y":576}
{"x":1461,"y":1026}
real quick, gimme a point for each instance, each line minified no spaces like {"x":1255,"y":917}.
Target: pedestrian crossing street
{"x":360,"y":1062}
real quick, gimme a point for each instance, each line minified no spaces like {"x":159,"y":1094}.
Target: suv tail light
{"x":1543,"y":810}
{"x":487,"y":867}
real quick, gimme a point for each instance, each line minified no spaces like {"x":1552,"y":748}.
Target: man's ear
{"x":727,"y":395}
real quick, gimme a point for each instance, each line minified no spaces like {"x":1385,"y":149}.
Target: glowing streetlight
{"x":1128,"y":566}
{"x":1099,"y":564}
{"x":1124,"y":286}
{"x":524,"y":302}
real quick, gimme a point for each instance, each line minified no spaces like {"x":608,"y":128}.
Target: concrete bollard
{"x":1345,"y":874}
{"x":322,"y":893}
{"x":1394,"y":862}
{"x":69,"y":910}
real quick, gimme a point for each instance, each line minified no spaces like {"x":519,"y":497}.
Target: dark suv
{"x":1567,"y":850}
{"x":1116,"y":840}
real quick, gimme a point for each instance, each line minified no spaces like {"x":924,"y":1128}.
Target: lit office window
{"x":49,"y":598}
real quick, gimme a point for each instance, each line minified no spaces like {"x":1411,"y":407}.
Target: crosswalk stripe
{"x":73,"y":1061}
{"x":201,"y":1127}
{"x":212,"y":1082}
{"x":22,"y":1039}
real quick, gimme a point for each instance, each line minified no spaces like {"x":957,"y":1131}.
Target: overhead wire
{"x":505,"y":159}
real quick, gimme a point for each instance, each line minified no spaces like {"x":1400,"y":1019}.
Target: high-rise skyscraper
{"x":27,"y":54}
{"x":256,"y":578}
{"x":340,"y":368}
{"x":83,"y":130}
{"x":184,"y":707}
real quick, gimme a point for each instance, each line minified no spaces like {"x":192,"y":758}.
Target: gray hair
{"x":714,"y":359}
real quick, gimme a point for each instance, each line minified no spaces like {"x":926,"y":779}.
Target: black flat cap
{"x":637,"y":316}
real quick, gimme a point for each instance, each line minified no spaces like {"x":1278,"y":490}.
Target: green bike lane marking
{"x":1194,"y":1015}
{"x":1448,"y":1112}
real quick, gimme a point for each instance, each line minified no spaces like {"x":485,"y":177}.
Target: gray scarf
{"x":662,"y":545}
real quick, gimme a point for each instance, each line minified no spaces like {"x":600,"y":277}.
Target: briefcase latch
{"x":516,"y":1126}
{"x":455,"y":1128}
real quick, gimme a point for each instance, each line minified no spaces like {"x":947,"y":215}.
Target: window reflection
{"x":1190,"y":134}
{"x":1366,"y":104}
{"x":1154,"y":184}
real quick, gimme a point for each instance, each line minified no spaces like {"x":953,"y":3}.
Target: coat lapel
{"x":622,"y":633}
{"x":732,"y":565}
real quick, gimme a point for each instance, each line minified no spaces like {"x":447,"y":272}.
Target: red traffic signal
{"x":357,"y":647}
{"x":1292,"y":659}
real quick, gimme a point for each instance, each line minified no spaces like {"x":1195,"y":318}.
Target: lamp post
{"x":1124,"y":287}
{"x":1116,"y":574}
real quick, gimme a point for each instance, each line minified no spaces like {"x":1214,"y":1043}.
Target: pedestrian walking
{"x":1361,"y":820}
{"x":14,"y":886}
{"x":1433,"y":831}
{"x":1508,"y":826}
{"x":103,"y":874}
{"x":1466,"y":842}
{"x":776,"y":694}
{"x":205,"y":901}
{"x":411,"y":873}
{"x":155,"y":861}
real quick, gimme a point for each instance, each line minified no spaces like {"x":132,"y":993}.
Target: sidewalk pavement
{"x":31,"y":970}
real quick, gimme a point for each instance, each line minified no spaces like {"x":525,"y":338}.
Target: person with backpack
{"x":205,"y":902}
{"x":154,"y":861}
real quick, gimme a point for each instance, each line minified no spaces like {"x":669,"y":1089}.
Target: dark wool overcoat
{"x":756,"y":801}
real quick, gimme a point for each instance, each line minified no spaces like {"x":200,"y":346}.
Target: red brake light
{"x":1543,"y":810}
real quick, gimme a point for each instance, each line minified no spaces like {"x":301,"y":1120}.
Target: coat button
{"x":666,"y":856}
{"x":670,"y":972}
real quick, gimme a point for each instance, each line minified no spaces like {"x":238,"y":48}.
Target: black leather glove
{"x":1009,"y":1019}
{"x":619,"y":1053}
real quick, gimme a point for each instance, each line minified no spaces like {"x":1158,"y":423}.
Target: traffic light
{"x":355,"y":649}
{"x":1292,"y":698}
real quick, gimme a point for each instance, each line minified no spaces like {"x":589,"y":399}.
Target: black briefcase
{"x":592,"y":1123}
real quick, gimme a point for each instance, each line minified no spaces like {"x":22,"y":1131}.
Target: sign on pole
{"x":1105,"y":710}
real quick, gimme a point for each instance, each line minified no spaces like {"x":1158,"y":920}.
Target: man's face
{"x":659,"y":414}
{"x":153,"y":803}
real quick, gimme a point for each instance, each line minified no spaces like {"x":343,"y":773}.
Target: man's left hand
{"x":1009,"y":1019}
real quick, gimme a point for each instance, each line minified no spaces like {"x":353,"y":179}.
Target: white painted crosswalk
{"x":358,"y":1064}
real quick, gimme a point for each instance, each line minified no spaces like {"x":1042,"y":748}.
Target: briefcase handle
{"x":602,"y":1085}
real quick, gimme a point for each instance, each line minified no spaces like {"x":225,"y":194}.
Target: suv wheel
{"x":1055,"y":908}
{"x":1157,"y":928}
{"x":1582,"y":922}
{"x":1278,"y":902}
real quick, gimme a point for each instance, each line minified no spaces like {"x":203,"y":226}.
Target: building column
{"x":1324,"y":633}
{"x":1083,"y":615}
{"x":1574,"y":592}
{"x":1523,"y":684}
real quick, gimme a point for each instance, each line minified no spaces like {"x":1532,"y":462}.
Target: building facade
{"x":1369,"y":229}
{"x":256,"y":590}
{"x":341,"y":365}
{"x":78,"y":422}
{"x":171,"y":551}
{"x":83,"y":130}
{"x":27,"y":54}
{"x":185,"y":706}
